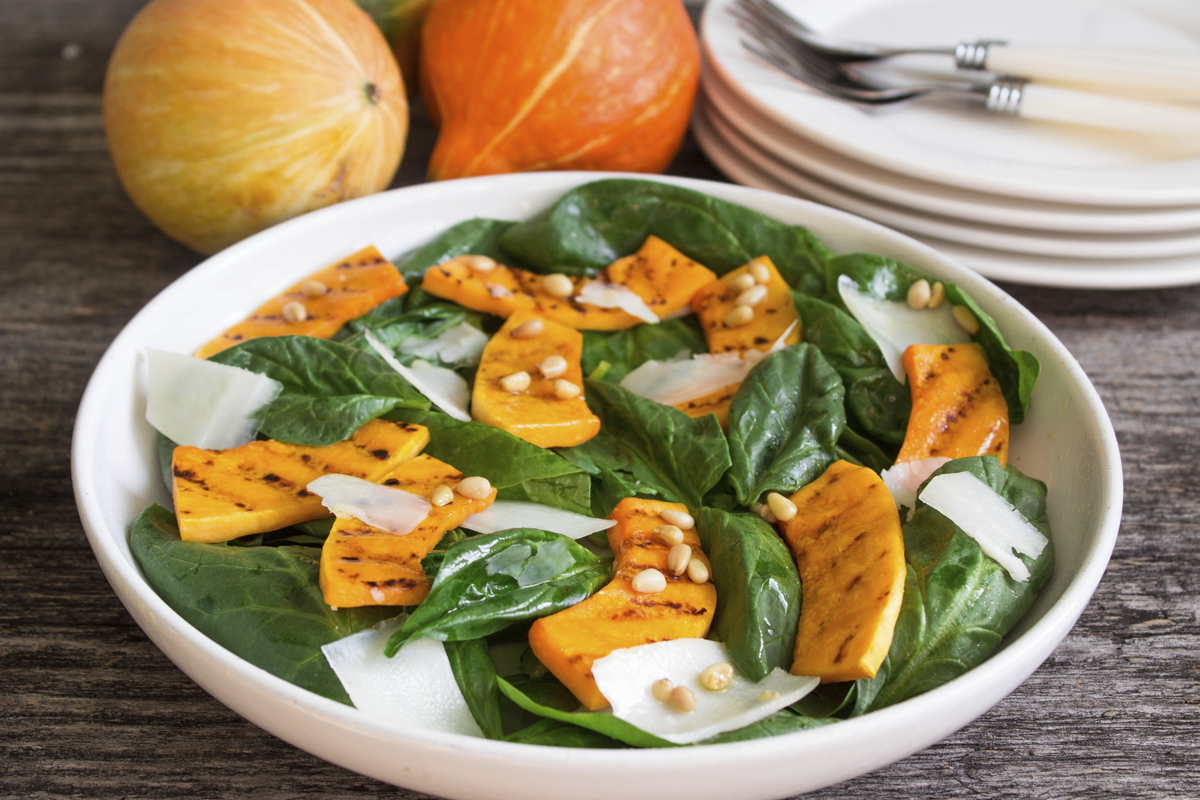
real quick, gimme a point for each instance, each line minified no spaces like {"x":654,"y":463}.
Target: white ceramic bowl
{"x":1067,"y":441}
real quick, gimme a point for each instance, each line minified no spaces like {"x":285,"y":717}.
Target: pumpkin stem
{"x":373,"y":93}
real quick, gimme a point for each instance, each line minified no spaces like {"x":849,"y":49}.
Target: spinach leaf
{"x":784,"y":423}
{"x":329,"y":390}
{"x":595,"y":224}
{"x":888,"y":279}
{"x":165,"y":448}
{"x":475,"y":673}
{"x":554,"y":733}
{"x":862,"y":451}
{"x":432,"y":563}
{"x":758,"y":590}
{"x":604,"y":724}
{"x":488,"y":582}
{"x":392,"y":327}
{"x":519,"y":470}
{"x":958,"y":602}
{"x":475,"y":236}
{"x":777,"y":724}
{"x":678,"y":457}
{"x":262,"y":604}
{"x":875,"y":401}
{"x":626,"y":350}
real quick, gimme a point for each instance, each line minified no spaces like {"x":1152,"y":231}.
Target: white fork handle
{"x":1174,"y":74}
{"x":1057,"y":104}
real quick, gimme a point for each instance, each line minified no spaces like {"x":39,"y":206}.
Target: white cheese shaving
{"x":463,"y":342}
{"x":903,"y":479}
{"x":678,"y":381}
{"x":204,"y":404}
{"x":615,"y":295}
{"x":384,"y":507}
{"x":987,"y":518}
{"x":447,"y":394}
{"x":506,"y":515}
{"x":415,"y":686}
{"x":625,"y":676}
{"x":894,"y":325}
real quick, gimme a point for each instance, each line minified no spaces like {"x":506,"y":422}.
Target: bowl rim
{"x":987,"y":683}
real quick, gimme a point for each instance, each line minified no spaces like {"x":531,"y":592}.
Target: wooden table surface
{"x":90,"y":708}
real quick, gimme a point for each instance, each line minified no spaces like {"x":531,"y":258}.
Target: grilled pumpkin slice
{"x":354,"y":286}
{"x":772,"y":316}
{"x":569,"y":642}
{"x":958,"y":408}
{"x":661,"y":275}
{"x":535,"y":414}
{"x":223,"y":494}
{"x":713,"y":403}
{"x":364,"y":566}
{"x":850,"y":552}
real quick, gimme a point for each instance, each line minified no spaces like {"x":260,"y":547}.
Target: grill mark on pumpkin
{"x":570,"y":53}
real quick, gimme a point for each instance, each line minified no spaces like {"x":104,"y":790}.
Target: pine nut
{"x":697,"y":571}
{"x":759,"y":271}
{"x":479,"y":263}
{"x":475,"y":488}
{"x":295,"y":312}
{"x":648,"y":581}
{"x":965,"y":319}
{"x":528,"y":329}
{"x":499,"y":292}
{"x":937,"y":293}
{"x":739,"y":316}
{"x":740,"y":283}
{"x":565,"y":390}
{"x":661,"y":689}
{"x":558,"y":285}
{"x":764,"y":512}
{"x":553,"y":367}
{"x":752,"y":296}
{"x":669,"y":534}
{"x":680,"y":519}
{"x":442,"y":496}
{"x":717,"y":677}
{"x":683,"y":699}
{"x":918,"y":294}
{"x":313,"y":288}
{"x":782,"y":508}
{"x":678,"y":559}
{"x":517,"y":382}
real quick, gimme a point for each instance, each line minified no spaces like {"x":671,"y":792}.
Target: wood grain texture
{"x":89,"y":708}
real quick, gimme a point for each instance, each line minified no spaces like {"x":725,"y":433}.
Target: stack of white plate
{"x":1017,"y":200}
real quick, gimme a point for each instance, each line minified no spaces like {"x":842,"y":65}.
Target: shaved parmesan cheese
{"x":463,"y":342}
{"x":680,"y":380}
{"x":614,"y":295}
{"x":444,"y":387}
{"x":625,"y":676}
{"x":987,"y":518}
{"x":903,"y":479}
{"x":204,"y":404}
{"x":894,"y":325}
{"x":505,"y":515}
{"x":393,"y":510}
{"x":416,"y":686}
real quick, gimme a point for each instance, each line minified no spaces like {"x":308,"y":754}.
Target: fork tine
{"x":791,"y":48}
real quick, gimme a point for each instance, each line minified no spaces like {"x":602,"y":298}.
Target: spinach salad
{"x":831,"y":398}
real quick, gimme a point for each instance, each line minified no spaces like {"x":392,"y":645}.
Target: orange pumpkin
{"x":528,"y":85}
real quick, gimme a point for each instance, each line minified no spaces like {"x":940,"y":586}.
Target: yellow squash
{"x":850,"y":553}
{"x":535,"y":413}
{"x":569,"y":642}
{"x":354,"y":286}
{"x":223,"y":494}
{"x":366,"y":566}
{"x":958,"y":407}
{"x":772,"y":316}
{"x":661,"y":275}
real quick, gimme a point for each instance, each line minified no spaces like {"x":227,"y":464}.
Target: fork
{"x":1012,"y":96}
{"x":1174,"y":75}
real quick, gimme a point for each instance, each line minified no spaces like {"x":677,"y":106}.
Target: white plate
{"x":969,"y":148}
{"x":1103,"y":247}
{"x":934,"y":198}
{"x":995,"y":264}
{"x":1067,"y":440}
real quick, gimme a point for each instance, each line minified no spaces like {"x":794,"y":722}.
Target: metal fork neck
{"x":973,"y":55}
{"x":1004,"y":96}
